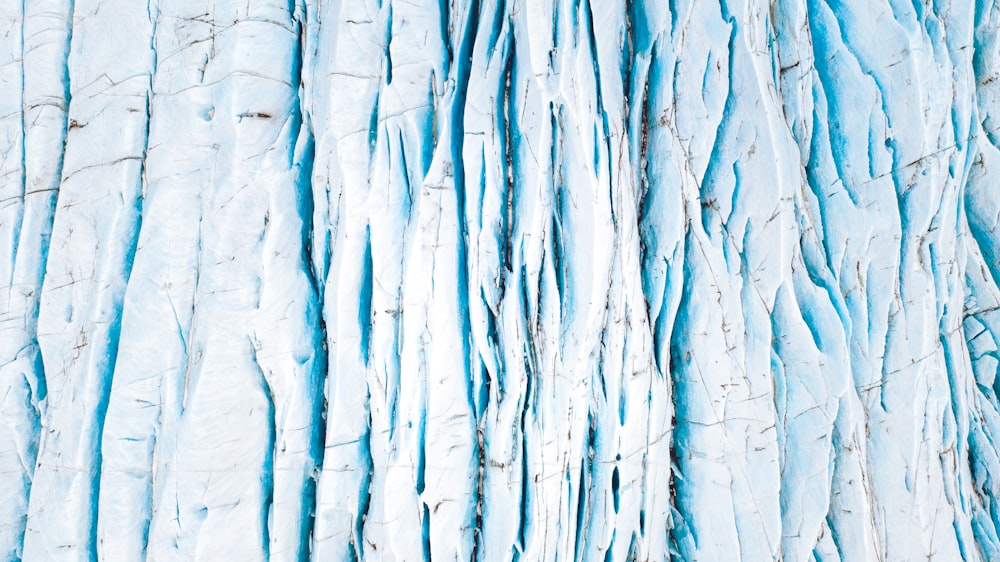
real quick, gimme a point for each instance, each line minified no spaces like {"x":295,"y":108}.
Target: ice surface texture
{"x":497,"y":280}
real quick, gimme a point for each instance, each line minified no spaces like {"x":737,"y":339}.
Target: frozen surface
{"x":498,"y":280}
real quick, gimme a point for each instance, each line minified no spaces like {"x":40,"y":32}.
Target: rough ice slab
{"x":499,"y":280}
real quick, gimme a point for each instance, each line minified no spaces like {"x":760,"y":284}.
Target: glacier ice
{"x":499,"y":280}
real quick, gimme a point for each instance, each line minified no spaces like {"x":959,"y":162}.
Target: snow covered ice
{"x":499,"y":280}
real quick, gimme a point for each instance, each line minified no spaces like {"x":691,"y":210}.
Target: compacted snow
{"x":497,"y":280}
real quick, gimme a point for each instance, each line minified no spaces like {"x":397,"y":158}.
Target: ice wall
{"x":498,"y":280}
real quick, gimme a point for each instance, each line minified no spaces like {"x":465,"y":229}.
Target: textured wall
{"x":491,"y":280}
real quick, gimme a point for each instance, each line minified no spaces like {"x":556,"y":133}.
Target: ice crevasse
{"x":499,"y":280}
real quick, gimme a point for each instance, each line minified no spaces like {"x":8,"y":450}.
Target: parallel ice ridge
{"x":497,"y":280}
